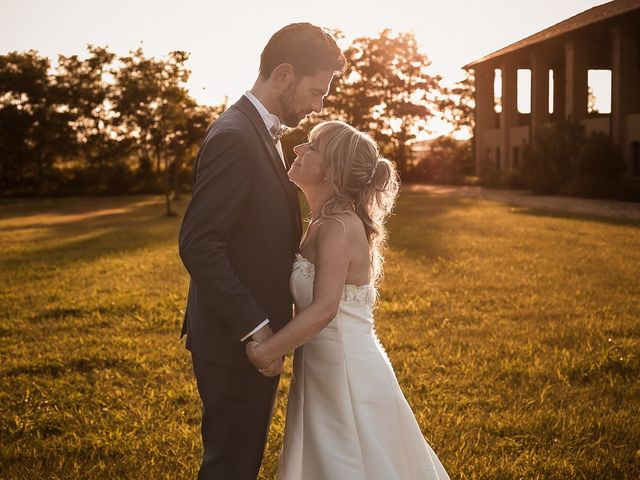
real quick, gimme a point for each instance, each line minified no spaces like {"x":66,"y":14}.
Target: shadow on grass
{"x":95,"y":234}
{"x":79,"y":365}
{"x":107,"y":243}
{"x":79,"y":211}
{"x":24,"y":208}
{"x":422,"y":232}
{"x":549,"y":213}
{"x":52,"y":315}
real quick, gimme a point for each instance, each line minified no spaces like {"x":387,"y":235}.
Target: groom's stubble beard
{"x":290,"y":117}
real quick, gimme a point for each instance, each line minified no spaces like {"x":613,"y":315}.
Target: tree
{"x":386,"y":91}
{"x":85,"y":87}
{"x":34,"y":122}
{"x":591,"y":101}
{"x":151,"y":97}
{"x":444,"y":160}
{"x":457,"y":104}
{"x":183,"y":144}
{"x":447,"y":160}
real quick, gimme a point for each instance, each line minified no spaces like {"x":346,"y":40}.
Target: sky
{"x":225,"y":37}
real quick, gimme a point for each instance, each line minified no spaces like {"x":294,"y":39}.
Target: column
{"x":624,"y":80}
{"x":539,"y":92}
{"x":484,"y":111}
{"x":575,"y":80}
{"x":509,"y":115}
{"x":558,"y":91}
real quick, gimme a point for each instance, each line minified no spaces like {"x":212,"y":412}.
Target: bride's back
{"x":358,"y":252}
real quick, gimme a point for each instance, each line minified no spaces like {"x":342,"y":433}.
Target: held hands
{"x":266,"y":367}
{"x":256,"y":354}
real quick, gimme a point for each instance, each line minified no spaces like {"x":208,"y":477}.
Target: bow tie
{"x":277,"y":131}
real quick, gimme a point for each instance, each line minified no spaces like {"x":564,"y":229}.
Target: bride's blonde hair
{"x":360,"y":180}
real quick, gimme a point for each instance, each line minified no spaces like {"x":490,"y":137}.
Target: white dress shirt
{"x":270,"y":121}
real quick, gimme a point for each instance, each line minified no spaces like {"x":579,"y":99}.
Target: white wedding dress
{"x":347,"y":418}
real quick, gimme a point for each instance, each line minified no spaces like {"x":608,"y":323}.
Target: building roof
{"x":588,"y":17}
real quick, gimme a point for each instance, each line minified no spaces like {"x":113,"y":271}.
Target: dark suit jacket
{"x":238,"y":237}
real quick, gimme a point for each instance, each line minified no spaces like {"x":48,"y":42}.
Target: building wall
{"x":491,"y":155}
{"x":633,"y":127}
{"x":631,"y":151}
{"x":612,"y":44}
{"x":519,"y":138}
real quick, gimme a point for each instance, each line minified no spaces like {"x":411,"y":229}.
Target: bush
{"x":447,"y":161}
{"x":598,"y":158}
{"x":493,"y":177}
{"x":549,"y":162}
{"x":563,"y":159}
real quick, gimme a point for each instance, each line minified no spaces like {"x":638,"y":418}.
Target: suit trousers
{"x":237,"y":404}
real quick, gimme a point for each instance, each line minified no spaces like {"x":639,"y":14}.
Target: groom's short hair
{"x":308,"y":48}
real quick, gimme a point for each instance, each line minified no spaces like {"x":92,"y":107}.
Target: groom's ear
{"x":283,"y":75}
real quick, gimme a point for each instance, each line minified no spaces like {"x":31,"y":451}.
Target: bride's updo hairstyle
{"x":360,"y":180}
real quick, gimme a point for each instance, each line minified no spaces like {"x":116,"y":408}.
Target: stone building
{"x":558,"y":59}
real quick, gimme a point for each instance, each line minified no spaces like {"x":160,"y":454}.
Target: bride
{"x":346,"y":416}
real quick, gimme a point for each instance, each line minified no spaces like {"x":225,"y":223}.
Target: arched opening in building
{"x":497,"y":90}
{"x":524,"y":90}
{"x":599,"y":91}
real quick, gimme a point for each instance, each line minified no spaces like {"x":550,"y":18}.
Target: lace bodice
{"x":365,"y":294}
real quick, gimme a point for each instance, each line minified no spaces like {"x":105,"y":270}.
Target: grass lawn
{"x":515,"y":335}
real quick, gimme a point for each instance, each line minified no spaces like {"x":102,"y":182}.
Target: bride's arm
{"x":331,"y":265}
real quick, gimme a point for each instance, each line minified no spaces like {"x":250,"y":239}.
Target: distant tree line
{"x":97,"y":125}
{"x":104,"y":124}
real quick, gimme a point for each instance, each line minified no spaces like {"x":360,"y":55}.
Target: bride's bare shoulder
{"x":346,"y":225}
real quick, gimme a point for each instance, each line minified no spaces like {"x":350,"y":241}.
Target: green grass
{"x":515,"y":335}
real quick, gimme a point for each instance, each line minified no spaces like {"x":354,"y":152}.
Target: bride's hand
{"x":258,"y":359}
{"x":273,"y":370}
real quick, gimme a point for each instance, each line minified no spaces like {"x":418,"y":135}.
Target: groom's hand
{"x":266,"y":367}
{"x":262,"y":334}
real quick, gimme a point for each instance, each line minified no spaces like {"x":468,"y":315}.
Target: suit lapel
{"x":246,"y":107}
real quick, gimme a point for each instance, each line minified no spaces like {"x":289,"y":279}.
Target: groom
{"x":237,"y":241}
